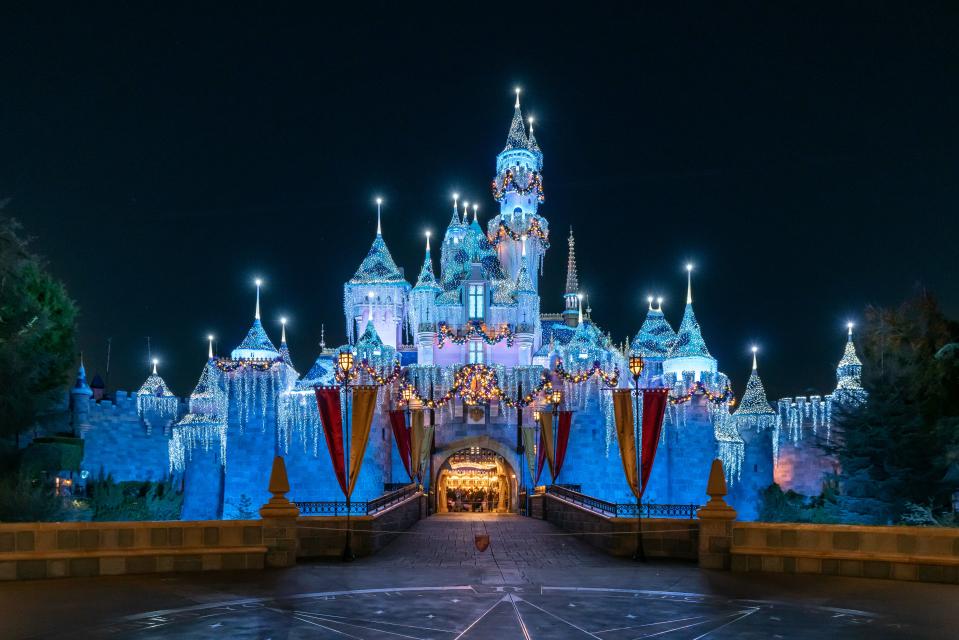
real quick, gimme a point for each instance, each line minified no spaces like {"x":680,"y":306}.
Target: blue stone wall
{"x":203,"y":486}
{"x":757,"y":473}
{"x":120,"y":443}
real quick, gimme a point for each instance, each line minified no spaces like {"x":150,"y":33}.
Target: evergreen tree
{"x":898,"y":447}
{"x":37,"y":333}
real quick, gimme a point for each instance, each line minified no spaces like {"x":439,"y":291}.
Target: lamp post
{"x":345,"y":362}
{"x":556,"y":398}
{"x":407,"y":394}
{"x":636,"y":366}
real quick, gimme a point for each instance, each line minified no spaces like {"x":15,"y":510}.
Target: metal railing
{"x":623,"y":510}
{"x":368,"y":508}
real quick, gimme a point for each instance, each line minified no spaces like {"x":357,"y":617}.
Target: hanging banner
{"x":545,"y":444}
{"x":421,"y":439}
{"x":625,"y":434}
{"x":401,"y":433}
{"x":364,"y":404}
{"x":529,"y":446}
{"x":654,"y":409}
{"x":562,"y":440}
{"x":328,"y":403}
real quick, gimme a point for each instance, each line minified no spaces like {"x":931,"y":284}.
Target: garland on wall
{"x":534,"y":185}
{"x":228,"y":365}
{"x":473,"y":328}
{"x":698,"y":388}
{"x":534,"y":231}
{"x":611,"y":379}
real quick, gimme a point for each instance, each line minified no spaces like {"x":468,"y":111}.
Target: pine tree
{"x":898,"y":447}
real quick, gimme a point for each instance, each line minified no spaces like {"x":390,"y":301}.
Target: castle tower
{"x":256,"y":345}
{"x":527,"y":321}
{"x":653,"y":341}
{"x":689,"y":352}
{"x":80,"y":394}
{"x":849,"y":373}
{"x":423,"y":306}
{"x":377,"y":287}
{"x":757,"y":423}
{"x":571,"y":303}
{"x":518,"y":187}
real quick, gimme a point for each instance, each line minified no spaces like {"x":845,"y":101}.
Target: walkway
{"x":532,"y":583}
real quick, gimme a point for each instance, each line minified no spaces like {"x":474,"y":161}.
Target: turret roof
{"x":754,"y":402}
{"x":689,"y":340}
{"x":378,"y":267}
{"x":655,"y":337}
{"x":516,"y":139}
{"x":155,"y":386}
{"x":524,"y":284}
{"x":427,"y":279}
{"x":257,"y":340}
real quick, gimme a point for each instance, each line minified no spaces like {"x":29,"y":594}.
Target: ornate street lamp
{"x":345,"y":362}
{"x":636,"y":366}
{"x":556,"y":398}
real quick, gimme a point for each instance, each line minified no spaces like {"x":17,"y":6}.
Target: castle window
{"x":475,"y":302}
{"x":476,"y":352}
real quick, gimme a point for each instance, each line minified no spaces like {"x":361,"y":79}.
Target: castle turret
{"x":256,"y":345}
{"x":155,"y":401}
{"x":571,"y":295}
{"x":284,"y":348}
{"x":654,"y":340}
{"x":518,"y":187}
{"x":757,"y":423}
{"x":849,"y":373}
{"x":378,"y":285}
{"x":423,"y":306}
{"x":689,"y":352}
{"x":80,"y":394}
{"x":527,"y":321}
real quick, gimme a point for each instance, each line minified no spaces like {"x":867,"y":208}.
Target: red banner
{"x":654,"y":409}
{"x":540,"y":456}
{"x":401,"y":434}
{"x":562,"y":440}
{"x":328,"y":402}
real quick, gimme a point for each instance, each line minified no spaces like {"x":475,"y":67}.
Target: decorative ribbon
{"x":421,"y":437}
{"x":545,"y":444}
{"x":364,"y":403}
{"x":623,"y":412}
{"x":401,"y":433}
{"x":529,"y":444}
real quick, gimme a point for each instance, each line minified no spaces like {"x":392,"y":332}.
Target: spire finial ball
{"x":258,"y":282}
{"x":755,"y":348}
{"x":282,"y":320}
{"x":689,"y":266}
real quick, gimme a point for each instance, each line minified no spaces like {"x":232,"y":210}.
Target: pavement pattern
{"x":534,"y":582}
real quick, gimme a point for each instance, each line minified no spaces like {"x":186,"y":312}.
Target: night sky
{"x":803,"y":156}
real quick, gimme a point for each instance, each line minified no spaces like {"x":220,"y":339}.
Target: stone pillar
{"x":716,"y":523}
{"x":279,"y":520}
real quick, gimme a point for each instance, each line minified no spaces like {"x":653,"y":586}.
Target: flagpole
{"x":346,"y":364}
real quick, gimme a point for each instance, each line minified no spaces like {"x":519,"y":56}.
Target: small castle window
{"x":475,"y":301}
{"x":476,"y":352}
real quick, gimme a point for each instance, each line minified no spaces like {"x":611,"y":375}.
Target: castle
{"x":473,"y":345}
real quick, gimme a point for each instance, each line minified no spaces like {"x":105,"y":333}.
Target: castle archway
{"x":475,"y":479}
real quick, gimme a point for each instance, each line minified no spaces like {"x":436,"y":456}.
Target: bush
{"x":112,"y":501}
{"x":23,"y":499}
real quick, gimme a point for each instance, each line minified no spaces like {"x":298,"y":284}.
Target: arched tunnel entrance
{"x":477,"y":480}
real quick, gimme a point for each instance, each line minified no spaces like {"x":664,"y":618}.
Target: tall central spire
{"x":572,"y":278}
{"x":516,"y":138}
{"x":689,"y":284}
{"x":256,"y":315}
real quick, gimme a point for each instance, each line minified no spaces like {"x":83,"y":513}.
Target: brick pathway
{"x":516,"y":543}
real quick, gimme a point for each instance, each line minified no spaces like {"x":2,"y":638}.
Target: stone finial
{"x":716,"y":490}
{"x":279,"y":506}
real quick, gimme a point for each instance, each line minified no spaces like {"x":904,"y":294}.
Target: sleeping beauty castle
{"x":471,"y":344}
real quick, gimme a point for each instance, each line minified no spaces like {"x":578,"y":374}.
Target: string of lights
{"x":474,"y":328}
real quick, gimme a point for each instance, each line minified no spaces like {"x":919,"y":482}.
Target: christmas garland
{"x":535,"y":230}
{"x":227,"y":365}
{"x":381,"y":380}
{"x":611,"y":379}
{"x":535,"y":185}
{"x":476,"y":327}
{"x":699,"y":388}
{"x":477,"y":383}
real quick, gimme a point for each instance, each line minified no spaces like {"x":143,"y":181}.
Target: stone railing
{"x":622,"y":509}
{"x":64,"y":549}
{"x":926,"y":554}
{"x":368,"y":508}
{"x":597,"y":523}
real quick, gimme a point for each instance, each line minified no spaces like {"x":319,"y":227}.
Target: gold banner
{"x":421,"y":439}
{"x":626,"y":434}
{"x":364,"y":404}
{"x":546,"y":426}
{"x":529,"y":443}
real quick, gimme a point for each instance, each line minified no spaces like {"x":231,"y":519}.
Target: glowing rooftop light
{"x":258,"y":282}
{"x":689,"y":266}
{"x":282,"y":320}
{"x":379,"y":201}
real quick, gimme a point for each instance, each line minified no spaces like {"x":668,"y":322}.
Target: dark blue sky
{"x":802,"y":155}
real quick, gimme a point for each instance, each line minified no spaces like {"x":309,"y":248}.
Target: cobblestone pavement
{"x":531,"y":583}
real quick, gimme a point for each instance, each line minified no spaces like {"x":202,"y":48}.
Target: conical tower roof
{"x":849,"y":369}
{"x":207,"y":402}
{"x":516,"y":138}
{"x":754,"y":402}
{"x":689,"y":339}
{"x":524,"y":283}
{"x":370,"y":338}
{"x":155,"y":386}
{"x":572,"y":277}
{"x":80,"y":386}
{"x":655,"y":337}
{"x":320,"y":374}
{"x":284,"y":347}
{"x":427,"y":278}
{"x":256,"y":344}
{"x":378,"y":267}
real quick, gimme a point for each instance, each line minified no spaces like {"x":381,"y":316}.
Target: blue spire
{"x":689,"y":341}
{"x":80,"y":387}
{"x":256,"y":340}
{"x":427,"y":279}
{"x":754,"y":402}
{"x":378,"y":267}
{"x":516,"y":138}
